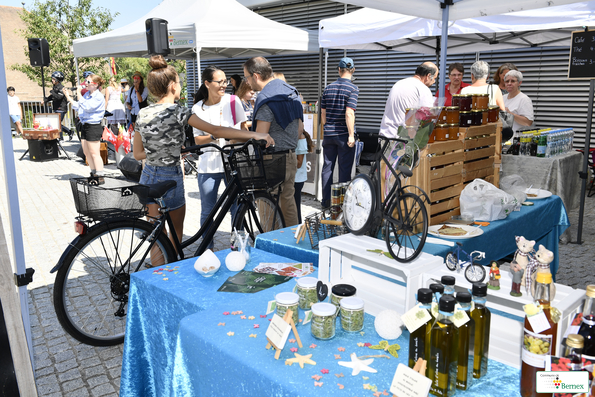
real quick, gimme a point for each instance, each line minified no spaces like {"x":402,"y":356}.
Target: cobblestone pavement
{"x":65,"y":367}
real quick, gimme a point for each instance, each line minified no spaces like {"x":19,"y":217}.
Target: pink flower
{"x":424,"y":114}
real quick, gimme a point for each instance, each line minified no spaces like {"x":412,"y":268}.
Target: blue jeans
{"x":208,"y":187}
{"x":175,"y":198}
{"x":335,"y":146}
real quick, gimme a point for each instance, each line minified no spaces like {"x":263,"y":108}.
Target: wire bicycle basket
{"x":257,"y":170}
{"x":320,"y":231}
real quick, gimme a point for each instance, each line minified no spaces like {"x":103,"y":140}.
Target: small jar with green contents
{"x":306,"y":290}
{"x":352,"y":314}
{"x":287,"y":300}
{"x":341,"y":291}
{"x":323,"y":320}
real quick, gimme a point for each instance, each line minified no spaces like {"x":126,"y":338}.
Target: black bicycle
{"x":93,"y":273}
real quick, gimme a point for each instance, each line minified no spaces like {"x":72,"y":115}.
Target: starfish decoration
{"x":221,"y":325}
{"x":367,"y":344}
{"x":358,"y":365}
{"x":165,"y":279}
{"x":324,"y":371}
{"x":239,"y":312}
{"x":317,"y":377}
{"x":362,"y":333}
{"x":340,"y":386}
{"x":367,"y":386}
{"x":243,"y":317}
{"x":341,"y":349}
{"x":251,"y":318}
{"x":291,"y":340}
{"x":234,"y":313}
{"x":263,"y":315}
{"x":340,"y":375}
{"x":293,"y":349}
{"x":312,"y":346}
{"x":361,"y":344}
{"x":252,"y":335}
{"x":301,"y":360}
{"x":337,"y":356}
{"x":384,"y":345}
{"x":365,"y":377}
{"x":385,"y":393}
{"x":319,"y":384}
{"x":377,"y":394}
{"x":230,"y":333}
{"x":226,"y":313}
{"x":256,"y":326}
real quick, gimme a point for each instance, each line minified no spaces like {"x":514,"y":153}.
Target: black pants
{"x":297,"y":195}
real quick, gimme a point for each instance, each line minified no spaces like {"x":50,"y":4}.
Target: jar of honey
{"x":484,"y":116}
{"x":442,"y":117}
{"x":493,"y":114}
{"x":476,"y":116}
{"x":474,"y":102}
{"x":482,"y":101}
{"x":453,"y":132}
{"x":441,"y":132}
{"x":452,"y":115}
{"x":465,"y":119}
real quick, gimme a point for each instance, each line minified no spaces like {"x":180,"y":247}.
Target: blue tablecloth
{"x":544,"y":222}
{"x":209,"y":362}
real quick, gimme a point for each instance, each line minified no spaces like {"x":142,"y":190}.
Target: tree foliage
{"x":60,"y":23}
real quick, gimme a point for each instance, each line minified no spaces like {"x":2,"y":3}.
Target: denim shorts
{"x":173,"y":199}
{"x":15,"y":118}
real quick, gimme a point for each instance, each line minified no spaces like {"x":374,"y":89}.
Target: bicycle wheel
{"x":91,"y":287}
{"x":452,"y":261}
{"x":475,"y":273}
{"x":259,"y":216}
{"x":407,"y":218}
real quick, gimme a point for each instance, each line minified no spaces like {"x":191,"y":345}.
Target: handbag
{"x":142,"y":104}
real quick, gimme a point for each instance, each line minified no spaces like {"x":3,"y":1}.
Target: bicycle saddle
{"x":157,"y":190}
{"x":459,"y":244}
{"x":405,"y":171}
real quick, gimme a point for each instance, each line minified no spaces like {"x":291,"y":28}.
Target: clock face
{"x":358,"y":205}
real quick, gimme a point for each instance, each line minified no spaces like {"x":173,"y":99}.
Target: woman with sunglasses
{"x":213,"y":105}
{"x":91,"y":109}
{"x":160,"y":134}
{"x":137,"y":97}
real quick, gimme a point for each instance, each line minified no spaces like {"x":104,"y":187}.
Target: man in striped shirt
{"x":338,"y":105}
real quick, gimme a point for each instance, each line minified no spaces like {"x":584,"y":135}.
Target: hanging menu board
{"x":582,"y":55}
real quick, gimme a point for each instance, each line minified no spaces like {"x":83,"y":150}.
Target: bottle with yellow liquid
{"x":481,"y":317}
{"x":418,"y":339}
{"x":444,"y":341}
{"x":466,"y":332}
{"x":437,"y":291}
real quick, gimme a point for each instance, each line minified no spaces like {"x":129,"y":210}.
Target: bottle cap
{"x":575,"y":340}
{"x":437,"y":288}
{"x":424,"y":295}
{"x":447,"y":303}
{"x":287,"y":298}
{"x":448,"y":280}
{"x":591,"y":291}
{"x":544,"y":278}
{"x":480,"y":289}
{"x":463,"y":297}
{"x":352,"y":303}
{"x":343,"y":290}
{"x":307,"y":282}
{"x":324,"y":309}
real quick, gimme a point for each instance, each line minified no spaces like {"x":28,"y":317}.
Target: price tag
{"x":278,"y":331}
{"x":271,"y":306}
{"x":415,"y":318}
{"x":536,"y":317}
{"x":294,"y":289}
{"x":307,"y":317}
{"x":460,"y":317}
{"x":408,"y":383}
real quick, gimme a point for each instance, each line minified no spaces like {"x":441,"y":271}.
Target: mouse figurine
{"x":541,"y":264}
{"x":523,"y":254}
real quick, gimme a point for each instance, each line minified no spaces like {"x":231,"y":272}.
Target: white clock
{"x":359,"y":205}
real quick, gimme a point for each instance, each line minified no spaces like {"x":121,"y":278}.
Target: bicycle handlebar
{"x":198,"y":149}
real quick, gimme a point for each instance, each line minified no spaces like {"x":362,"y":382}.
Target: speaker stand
{"x":60,"y":148}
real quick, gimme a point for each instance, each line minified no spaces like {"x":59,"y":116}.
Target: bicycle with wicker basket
{"x":377,"y":203}
{"x":93,"y":273}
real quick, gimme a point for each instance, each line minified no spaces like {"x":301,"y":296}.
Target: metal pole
{"x":443,"y":47}
{"x":45,"y":107}
{"x":586,"y":155}
{"x":319,"y":137}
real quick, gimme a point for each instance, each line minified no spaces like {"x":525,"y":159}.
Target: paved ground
{"x":64,"y":367}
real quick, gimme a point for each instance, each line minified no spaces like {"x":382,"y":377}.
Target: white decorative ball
{"x":388,"y":324}
{"x":235,"y":261}
{"x":207,"y":264}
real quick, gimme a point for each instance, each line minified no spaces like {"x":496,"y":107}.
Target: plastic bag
{"x":485,"y":202}
{"x":515,"y":185}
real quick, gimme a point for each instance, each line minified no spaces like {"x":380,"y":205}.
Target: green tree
{"x":60,"y":23}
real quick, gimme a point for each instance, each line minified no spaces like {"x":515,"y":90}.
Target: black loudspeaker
{"x":39,"y":52}
{"x":40,"y":150}
{"x":157,"y":40}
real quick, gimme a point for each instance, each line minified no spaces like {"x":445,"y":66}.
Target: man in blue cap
{"x":338,"y":105}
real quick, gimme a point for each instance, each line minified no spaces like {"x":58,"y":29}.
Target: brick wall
{"x":13,"y":44}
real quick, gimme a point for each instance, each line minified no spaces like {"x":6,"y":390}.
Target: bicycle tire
{"x":452,"y":261}
{"x":91,"y":286}
{"x":475,"y":273}
{"x":400,"y":232}
{"x":258,"y":218}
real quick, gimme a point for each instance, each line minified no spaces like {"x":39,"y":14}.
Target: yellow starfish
{"x":230,"y":333}
{"x":252,"y":335}
{"x":301,"y":360}
{"x":360,"y":344}
{"x":251,"y":318}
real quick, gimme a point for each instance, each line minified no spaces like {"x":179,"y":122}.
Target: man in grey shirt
{"x":278,"y":112}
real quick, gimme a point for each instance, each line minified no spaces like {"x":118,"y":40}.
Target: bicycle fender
{"x":71,"y":245}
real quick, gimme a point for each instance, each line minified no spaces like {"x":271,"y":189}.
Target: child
{"x":305,"y":145}
{"x":14,"y":109}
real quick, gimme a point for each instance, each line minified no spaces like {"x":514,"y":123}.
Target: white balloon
{"x":207,"y":264}
{"x":235,"y":261}
{"x":388,"y":324}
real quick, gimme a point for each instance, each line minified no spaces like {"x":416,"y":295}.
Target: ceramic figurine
{"x":495,"y":276}
{"x":523,"y":254}
{"x":517,"y":275}
{"x":541,"y":264}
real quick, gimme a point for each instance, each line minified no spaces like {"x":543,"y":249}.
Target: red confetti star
{"x":367,"y":344}
{"x":293,"y":349}
{"x":341,"y":349}
{"x":256,"y":326}
{"x":263,"y":315}
{"x":312,"y":346}
{"x":317,"y":377}
{"x":324,"y":371}
{"x":226,"y":313}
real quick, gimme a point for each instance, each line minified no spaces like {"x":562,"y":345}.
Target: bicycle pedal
{"x":95,"y":180}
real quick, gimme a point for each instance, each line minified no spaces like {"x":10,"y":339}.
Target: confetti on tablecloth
{"x":317,"y":377}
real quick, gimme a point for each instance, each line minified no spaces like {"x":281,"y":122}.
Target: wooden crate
{"x":445,"y":167}
{"x":103,"y":153}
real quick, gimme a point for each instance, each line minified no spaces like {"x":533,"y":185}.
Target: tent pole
{"x":319,"y":137}
{"x":76,"y":66}
{"x":584,"y":173}
{"x":438,"y":58}
{"x":443,"y":46}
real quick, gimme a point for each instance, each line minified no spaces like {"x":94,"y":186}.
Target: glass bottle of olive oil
{"x":449,"y":284}
{"x":481,"y":338}
{"x":444,"y":341}
{"x":466,"y":332}
{"x":419,"y":337}
{"x":437,"y":291}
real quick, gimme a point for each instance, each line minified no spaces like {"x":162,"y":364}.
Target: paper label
{"x":415,"y":318}
{"x":307,"y":317}
{"x":536,"y":348}
{"x":278,"y":331}
{"x":271,"y":306}
{"x":408,"y":383}
{"x":460,"y":317}
{"x":294,"y":290}
{"x":536,"y":317}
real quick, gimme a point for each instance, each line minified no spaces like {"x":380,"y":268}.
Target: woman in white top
{"x":216,"y":107}
{"x":479,"y":75}
{"x":114,"y":105}
{"x":517,"y":103}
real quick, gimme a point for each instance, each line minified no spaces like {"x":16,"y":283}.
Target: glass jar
{"x":441,"y":132}
{"x":453,"y":132}
{"x":465,"y":119}
{"x":476,"y":116}
{"x":341,"y":291}
{"x":352,"y":314}
{"x":432,"y":137}
{"x":465,"y":103}
{"x":288,"y":300}
{"x":493,"y":114}
{"x":456,"y":100}
{"x":442,"y":118}
{"x":410,"y":116}
{"x":484,"y":117}
{"x":306,"y":290}
{"x":482,"y":101}
{"x":323,"y":324}
{"x":474,"y":102}
{"x":452,"y":115}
